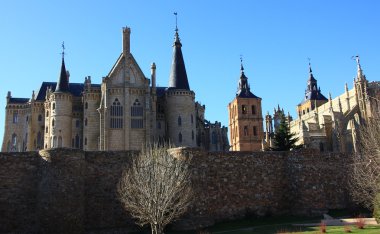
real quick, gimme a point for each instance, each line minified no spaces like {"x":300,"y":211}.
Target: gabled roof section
{"x":121,"y":60}
{"x":178,"y":76}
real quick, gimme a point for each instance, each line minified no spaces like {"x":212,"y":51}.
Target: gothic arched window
{"x":179,"y":121}
{"x":213,"y":138}
{"x":116,"y":114}
{"x":59,"y":141}
{"x":137,"y":113}
{"x":14,"y":142}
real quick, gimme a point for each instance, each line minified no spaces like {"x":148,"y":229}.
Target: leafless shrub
{"x":156,"y":188}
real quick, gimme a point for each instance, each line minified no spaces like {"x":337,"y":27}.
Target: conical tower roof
{"x":63,"y":81}
{"x":178,"y":75}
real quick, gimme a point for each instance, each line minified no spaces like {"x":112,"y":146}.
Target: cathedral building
{"x":245,"y":118}
{"x":332,"y":124}
{"x":124,"y":112}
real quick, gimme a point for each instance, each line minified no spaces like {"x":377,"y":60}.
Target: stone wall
{"x":64,"y":190}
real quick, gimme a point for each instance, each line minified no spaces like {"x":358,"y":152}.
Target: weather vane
{"x":63,"y":49}
{"x":357,"y":58}
{"x":176,"y":28}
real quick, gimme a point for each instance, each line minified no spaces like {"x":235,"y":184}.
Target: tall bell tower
{"x":245,"y":118}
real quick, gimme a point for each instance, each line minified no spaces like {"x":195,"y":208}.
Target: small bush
{"x":347,"y":228}
{"x":360,"y":222}
{"x":322,"y":227}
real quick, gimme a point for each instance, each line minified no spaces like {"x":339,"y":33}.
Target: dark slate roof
{"x":160,"y":91}
{"x":244,"y":91}
{"x":246,"y":94}
{"x":75,"y":89}
{"x":19,"y":100}
{"x":63,"y":81}
{"x":178,"y":75}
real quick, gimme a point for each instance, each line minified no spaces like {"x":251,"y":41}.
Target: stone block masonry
{"x":72,"y":191}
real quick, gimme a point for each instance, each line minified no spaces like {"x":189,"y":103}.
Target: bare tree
{"x":365,"y":177}
{"x":156,"y":188}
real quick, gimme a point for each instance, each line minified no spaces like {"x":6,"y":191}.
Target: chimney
{"x":126,"y":41}
{"x":153,"y":75}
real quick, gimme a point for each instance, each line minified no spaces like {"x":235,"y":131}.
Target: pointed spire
{"x":243,"y":88}
{"x":63,"y":82}
{"x":311,"y":77}
{"x":178,"y":75}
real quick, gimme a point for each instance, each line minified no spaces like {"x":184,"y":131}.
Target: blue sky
{"x":275,"y":38}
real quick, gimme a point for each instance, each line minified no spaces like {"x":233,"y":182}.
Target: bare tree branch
{"x":156,"y":188}
{"x":365,"y":176}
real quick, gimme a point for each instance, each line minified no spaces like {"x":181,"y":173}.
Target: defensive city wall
{"x":72,"y":191}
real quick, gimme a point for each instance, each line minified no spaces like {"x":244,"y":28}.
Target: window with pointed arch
{"x":116,"y":115}
{"x":244,"y":109}
{"x":180,"y":137}
{"x":137,"y":114}
{"x":14,"y":142}
{"x":179,"y":121}
{"x":15,"y":117}
{"x":213,"y":138}
{"x":59,"y":141}
{"x":40,"y":142}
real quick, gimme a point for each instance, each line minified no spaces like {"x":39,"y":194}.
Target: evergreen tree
{"x":284,"y":140}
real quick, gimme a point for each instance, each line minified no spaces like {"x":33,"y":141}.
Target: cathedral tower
{"x":313,"y":96}
{"x":180,"y":102}
{"x":245,"y":118}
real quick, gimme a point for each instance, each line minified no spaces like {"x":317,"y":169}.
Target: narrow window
{"x":137,"y":114}
{"x":159,"y":125}
{"x":253,"y":109}
{"x":14,"y":142}
{"x":77,"y":123}
{"x":52,"y":123}
{"x":180,"y":137}
{"x":244,"y":109}
{"x":39,"y":118}
{"x":321,"y":147}
{"x":27,"y":119}
{"x":47,"y":113}
{"x":86,"y":105}
{"x":15,"y":117}
{"x":53,"y":105}
{"x":85,"y":122}
{"x":59,"y":141}
{"x":39,"y":140}
{"x":254,"y":131}
{"x":85,"y":141}
{"x":192,"y":119}
{"x":46,"y":129}
{"x":179,"y":121}
{"x":77,"y":141}
{"x":192,"y":135}
{"x":213,"y":138}
{"x":245,"y":131}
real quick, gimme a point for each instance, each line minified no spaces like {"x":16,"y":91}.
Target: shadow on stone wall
{"x":71,"y":191}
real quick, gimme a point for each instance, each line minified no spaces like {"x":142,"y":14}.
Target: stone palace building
{"x":122,"y":113}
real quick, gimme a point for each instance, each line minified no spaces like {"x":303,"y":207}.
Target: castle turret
{"x":58,"y":110}
{"x":180,"y":100}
